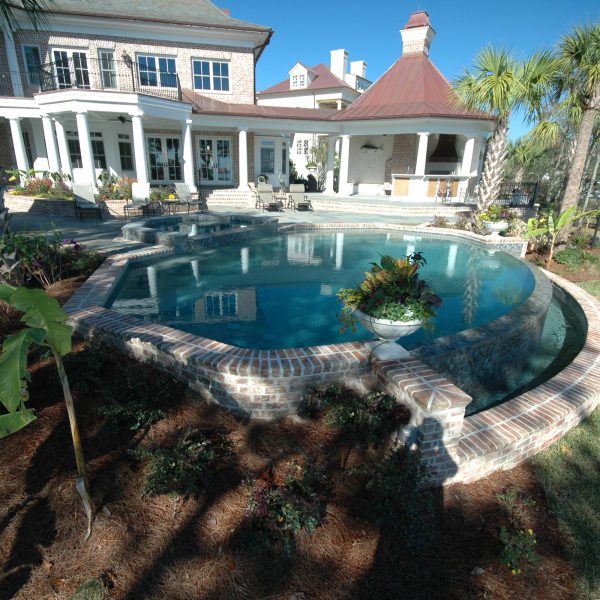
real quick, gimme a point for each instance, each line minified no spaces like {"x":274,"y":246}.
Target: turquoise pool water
{"x":279,"y":291}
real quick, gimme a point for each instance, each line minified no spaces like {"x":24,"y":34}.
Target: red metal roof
{"x":412,"y":87}
{"x":205,"y":105}
{"x":324,"y":79}
{"x":418,"y":19}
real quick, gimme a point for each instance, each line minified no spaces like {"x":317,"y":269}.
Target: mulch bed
{"x":182,"y":547}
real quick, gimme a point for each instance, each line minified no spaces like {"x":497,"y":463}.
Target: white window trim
{"x":25,"y":60}
{"x":197,"y":157}
{"x":163,"y":138}
{"x":116,"y":67}
{"x":69,"y":52}
{"x":212,"y":91}
{"x":158,"y":82}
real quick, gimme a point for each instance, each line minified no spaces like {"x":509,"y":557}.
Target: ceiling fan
{"x":122,"y":119}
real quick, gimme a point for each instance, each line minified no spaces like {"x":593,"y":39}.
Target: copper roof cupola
{"x":417,"y":34}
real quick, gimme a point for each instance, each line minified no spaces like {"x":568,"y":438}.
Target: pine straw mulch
{"x":197,"y":547}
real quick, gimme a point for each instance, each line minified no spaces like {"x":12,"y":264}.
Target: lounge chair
{"x":298,"y":199}
{"x":85,"y":202}
{"x":268,"y":201}
{"x":185,"y":195}
{"x":140,"y":197}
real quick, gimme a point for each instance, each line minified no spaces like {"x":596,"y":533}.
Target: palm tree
{"x":578,"y":83}
{"x":36,"y":12}
{"x":498,"y":85}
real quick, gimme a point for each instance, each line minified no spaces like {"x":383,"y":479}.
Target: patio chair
{"x":184,"y":194}
{"x":84,"y":201}
{"x":298,"y":199}
{"x":140,"y":197}
{"x":255,"y":196}
{"x":267,"y":197}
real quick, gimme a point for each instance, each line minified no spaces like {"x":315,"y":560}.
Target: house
{"x":140,"y":89}
{"x":336,"y":86}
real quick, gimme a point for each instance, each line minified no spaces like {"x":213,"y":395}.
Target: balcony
{"x":83,"y":73}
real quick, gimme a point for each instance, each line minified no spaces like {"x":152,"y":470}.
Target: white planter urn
{"x":387,"y":332}
{"x":496,"y":227}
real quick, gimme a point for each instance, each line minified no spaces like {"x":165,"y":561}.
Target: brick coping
{"x":503,"y":436}
{"x":269,"y":383}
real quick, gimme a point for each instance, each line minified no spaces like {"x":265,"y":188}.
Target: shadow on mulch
{"x":204,"y":546}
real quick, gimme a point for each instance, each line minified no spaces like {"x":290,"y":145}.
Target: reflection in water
{"x":288,"y":296}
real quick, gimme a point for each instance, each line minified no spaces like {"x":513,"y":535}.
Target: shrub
{"x":440,"y":222}
{"x":463,"y":223}
{"x":159,"y":194}
{"x":365,"y":419}
{"x":574,"y":257}
{"x":46,"y":260}
{"x":183,"y":468}
{"x":113,"y":187}
{"x":282,"y":509}
{"x":399,"y":504}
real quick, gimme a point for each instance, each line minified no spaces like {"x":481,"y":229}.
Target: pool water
{"x":279,"y":291}
{"x":561,"y":340}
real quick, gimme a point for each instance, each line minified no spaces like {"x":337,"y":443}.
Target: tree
{"x":46,"y":326}
{"x":497,"y":85}
{"x":36,"y":12}
{"x":578,"y":83}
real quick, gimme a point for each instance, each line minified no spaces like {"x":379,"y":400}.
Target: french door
{"x":164,"y":159}
{"x":71,"y":69}
{"x":215,"y":161}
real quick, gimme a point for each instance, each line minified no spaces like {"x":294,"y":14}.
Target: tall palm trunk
{"x":493,"y":169}
{"x":571,"y":196}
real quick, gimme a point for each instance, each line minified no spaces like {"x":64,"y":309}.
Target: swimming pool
{"x":279,"y":291}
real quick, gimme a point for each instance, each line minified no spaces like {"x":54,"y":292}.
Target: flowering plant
{"x":392,"y":290}
{"x":496,"y":213}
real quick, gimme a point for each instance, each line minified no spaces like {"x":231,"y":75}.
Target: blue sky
{"x":307,"y":31}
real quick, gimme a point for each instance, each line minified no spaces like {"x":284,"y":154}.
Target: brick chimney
{"x":417,"y":34}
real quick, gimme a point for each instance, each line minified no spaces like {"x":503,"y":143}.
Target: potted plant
{"x":392,"y":301}
{"x":496,"y":219}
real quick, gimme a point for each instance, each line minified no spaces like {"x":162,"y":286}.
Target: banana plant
{"x":46,"y":326}
{"x":552,"y":225}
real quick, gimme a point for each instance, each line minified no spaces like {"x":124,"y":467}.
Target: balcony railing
{"x":83,"y":73}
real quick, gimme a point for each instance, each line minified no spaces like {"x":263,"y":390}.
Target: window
{"x":267,"y":157}
{"x":284,"y":160}
{"x":305,"y":144}
{"x":220,"y":304}
{"x":28,"y":152}
{"x":125,"y":152}
{"x":301,"y":80}
{"x":157,"y":71}
{"x":71,"y":69}
{"x":74,"y":150}
{"x":108,"y":71}
{"x":164,"y":158}
{"x":33,"y":63}
{"x":294,"y":81}
{"x":98,"y":153}
{"x":214,"y":156}
{"x":211,"y":75}
{"x":298,"y":146}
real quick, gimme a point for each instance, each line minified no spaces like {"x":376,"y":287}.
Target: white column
{"x":63,"y":149}
{"x":188,"y":156}
{"x":85,"y":146}
{"x":345,"y":188}
{"x":139,"y":151}
{"x":330,"y":163}
{"x":13,"y":64}
{"x":467,"y":159}
{"x":51,"y":148}
{"x":243,"y":159}
{"x":18,"y":144}
{"x":421,"y":153}
{"x":245,"y":259}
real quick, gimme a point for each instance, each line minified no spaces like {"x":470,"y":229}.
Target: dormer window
{"x":302,"y":80}
{"x":298,"y":78}
{"x":294,"y":81}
